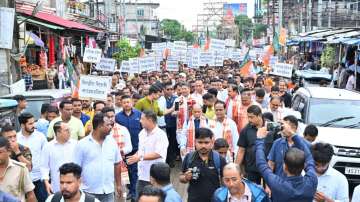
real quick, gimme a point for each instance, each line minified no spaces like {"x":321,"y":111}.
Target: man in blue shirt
{"x":160,"y":177}
{"x":281,"y":146}
{"x":130,"y":118}
{"x":294,"y":186}
{"x":170,"y":121}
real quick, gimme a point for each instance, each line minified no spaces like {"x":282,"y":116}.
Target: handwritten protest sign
{"x":125,"y":66}
{"x":134,"y":65}
{"x":106,"y":64}
{"x":92,"y":55}
{"x":172,"y":64}
{"x":95,"y":87}
{"x":282,"y":69}
{"x":206,"y":58}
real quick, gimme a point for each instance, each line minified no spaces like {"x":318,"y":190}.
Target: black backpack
{"x":57,"y":197}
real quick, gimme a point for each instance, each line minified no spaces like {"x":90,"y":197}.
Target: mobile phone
{"x":177,"y":106}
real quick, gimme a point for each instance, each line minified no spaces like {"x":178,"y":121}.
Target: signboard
{"x":282,"y":69}
{"x":172,"y":64}
{"x":219,"y":58}
{"x":195,"y":57}
{"x":235,"y":8}
{"x":106,"y":64}
{"x":134,"y":65}
{"x":230,"y":42}
{"x":147,"y":64}
{"x":180,"y":46}
{"x":7,"y":27}
{"x":92,"y":55}
{"x":206,"y":58}
{"x":237,"y":55}
{"x":273,"y":60}
{"x":217,"y":45}
{"x":18,"y":87}
{"x":125,"y":66}
{"x":95,"y":87}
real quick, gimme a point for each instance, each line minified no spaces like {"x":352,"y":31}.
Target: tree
{"x":259,"y":30}
{"x":175,"y":31}
{"x":125,"y":50}
{"x":245,"y":26}
{"x":328,"y":57}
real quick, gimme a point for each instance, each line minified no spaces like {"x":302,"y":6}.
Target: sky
{"x":185,"y":11}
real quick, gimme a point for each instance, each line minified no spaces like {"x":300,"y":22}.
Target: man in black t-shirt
{"x":202,"y":168}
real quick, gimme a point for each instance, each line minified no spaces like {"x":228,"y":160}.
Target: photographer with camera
{"x":292,"y":186}
{"x":247,"y":138}
{"x":202,"y":168}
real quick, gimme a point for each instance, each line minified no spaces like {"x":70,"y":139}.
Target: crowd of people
{"x":236,"y":136}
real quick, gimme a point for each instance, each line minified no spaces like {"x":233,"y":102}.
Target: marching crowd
{"x":236,"y":136}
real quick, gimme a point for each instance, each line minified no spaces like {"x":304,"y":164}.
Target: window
{"x":140,"y":12}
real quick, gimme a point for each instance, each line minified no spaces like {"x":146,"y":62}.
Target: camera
{"x":195,"y":171}
{"x":274,"y":126}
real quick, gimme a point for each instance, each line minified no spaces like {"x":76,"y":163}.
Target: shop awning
{"x":354,"y":41}
{"x":50,"y":18}
{"x":36,"y":22}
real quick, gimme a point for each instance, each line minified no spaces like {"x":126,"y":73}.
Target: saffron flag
{"x":282,"y":36}
{"x":246,"y":65}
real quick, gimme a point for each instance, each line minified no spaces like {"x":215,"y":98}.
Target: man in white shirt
{"x":356,"y":194}
{"x":36,"y":141}
{"x":99,"y":157}
{"x":332,"y":185}
{"x":153,"y":144}
{"x":224,"y":127}
{"x":199,"y":92}
{"x":54,"y":154}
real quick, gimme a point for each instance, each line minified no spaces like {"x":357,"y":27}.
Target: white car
{"x":336,"y":113}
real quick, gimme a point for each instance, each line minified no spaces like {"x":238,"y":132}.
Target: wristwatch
{"x":141,"y":157}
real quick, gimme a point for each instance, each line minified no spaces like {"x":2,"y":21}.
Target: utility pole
{"x":310,"y":15}
{"x":329,"y":13}
{"x":280,"y":14}
{"x":273,"y":17}
{"x":268,"y":20}
{"x":319,"y":14}
{"x":301,"y":16}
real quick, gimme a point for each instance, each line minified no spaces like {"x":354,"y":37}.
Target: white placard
{"x":95,"y":87}
{"x":237,"y":55}
{"x":180,"y":46}
{"x":125,"y":66}
{"x":217,"y":45}
{"x":219,"y":58}
{"x":134,"y":65}
{"x":18,"y":87}
{"x":92,"y":55}
{"x":158,"y":47}
{"x":230,"y":42}
{"x":282,"y":69}
{"x":195,"y":58}
{"x":106,"y":64}
{"x":6,"y":27}
{"x":147,"y":64}
{"x":172,"y":64}
{"x":273,"y":60}
{"x":206,"y":58}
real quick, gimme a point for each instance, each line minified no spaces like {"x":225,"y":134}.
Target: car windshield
{"x":34,"y":106}
{"x":324,"y":110}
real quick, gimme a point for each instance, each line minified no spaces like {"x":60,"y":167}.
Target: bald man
{"x":237,"y":188}
{"x":186,"y":139}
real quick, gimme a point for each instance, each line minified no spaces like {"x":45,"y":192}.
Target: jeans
{"x":173,"y":148}
{"x":40,"y":191}
{"x":133,"y":176}
{"x":140,"y":187}
{"x":104,"y":197}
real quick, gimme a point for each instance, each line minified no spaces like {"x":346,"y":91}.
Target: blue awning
{"x":355,"y":41}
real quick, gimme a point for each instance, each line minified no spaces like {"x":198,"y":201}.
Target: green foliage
{"x":245,"y":26}
{"x":259,"y":30}
{"x":328,"y":57}
{"x":126,"y":51}
{"x":175,"y":31}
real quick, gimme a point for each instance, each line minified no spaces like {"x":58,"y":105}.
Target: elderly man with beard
{"x":70,"y":181}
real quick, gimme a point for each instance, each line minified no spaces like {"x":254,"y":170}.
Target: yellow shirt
{"x":210,"y":113}
{"x":76,"y":128}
